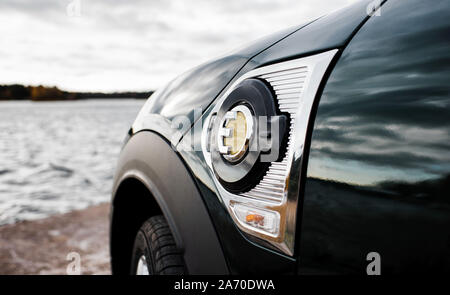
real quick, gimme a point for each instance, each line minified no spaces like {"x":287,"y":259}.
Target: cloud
{"x":133,"y":45}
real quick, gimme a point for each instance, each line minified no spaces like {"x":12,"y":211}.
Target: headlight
{"x":253,"y":142}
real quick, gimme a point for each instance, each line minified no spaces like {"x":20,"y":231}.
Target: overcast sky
{"x":118,"y":45}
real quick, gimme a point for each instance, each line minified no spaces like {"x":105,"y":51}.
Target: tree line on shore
{"x":21,"y":92}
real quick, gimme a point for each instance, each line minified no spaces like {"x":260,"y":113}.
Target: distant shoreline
{"x":17,"y":92}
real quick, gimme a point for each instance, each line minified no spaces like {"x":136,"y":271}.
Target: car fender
{"x":150,"y":159}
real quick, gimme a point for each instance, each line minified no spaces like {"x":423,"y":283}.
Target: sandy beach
{"x":42,"y":246}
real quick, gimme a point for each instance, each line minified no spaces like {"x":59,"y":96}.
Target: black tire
{"x":155,"y":242}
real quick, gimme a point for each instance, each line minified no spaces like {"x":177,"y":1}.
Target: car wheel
{"x":155,"y":251}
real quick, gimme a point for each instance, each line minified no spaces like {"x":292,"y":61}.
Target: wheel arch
{"x":143,"y":187}
{"x":133,"y":203}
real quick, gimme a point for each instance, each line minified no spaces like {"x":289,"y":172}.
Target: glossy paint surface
{"x":379,"y":165}
{"x":243,"y":255}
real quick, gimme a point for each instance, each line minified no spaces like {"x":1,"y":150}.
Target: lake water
{"x":59,"y":156}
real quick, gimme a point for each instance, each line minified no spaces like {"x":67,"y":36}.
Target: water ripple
{"x":59,"y":156}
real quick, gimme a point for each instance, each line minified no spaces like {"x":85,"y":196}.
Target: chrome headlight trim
{"x":295,"y":83}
